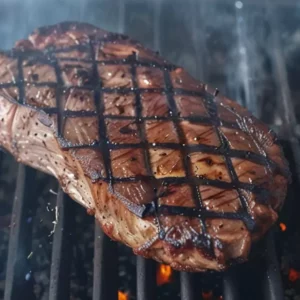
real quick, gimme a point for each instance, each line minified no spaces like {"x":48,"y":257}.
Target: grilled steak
{"x":168,"y":166}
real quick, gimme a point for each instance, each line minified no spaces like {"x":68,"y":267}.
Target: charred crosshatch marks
{"x":199,"y":128}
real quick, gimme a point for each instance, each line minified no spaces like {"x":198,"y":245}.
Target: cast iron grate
{"x":105,"y":271}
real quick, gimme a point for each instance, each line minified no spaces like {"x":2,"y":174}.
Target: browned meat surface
{"x":170,"y":167}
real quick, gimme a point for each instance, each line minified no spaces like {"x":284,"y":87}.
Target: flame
{"x":207,"y":295}
{"x":122,"y":296}
{"x":164,"y":274}
{"x":294,"y":275}
{"x":282,"y":226}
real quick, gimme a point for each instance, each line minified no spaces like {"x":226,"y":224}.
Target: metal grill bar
{"x":272,"y":280}
{"x":19,"y":282}
{"x":188,"y":286}
{"x":105,"y":285}
{"x":145,"y":268}
{"x":257,"y":2}
{"x":61,"y":249}
{"x":273,"y":289}
{"x":230,"y":282}
{"x":146,"y":279}
{"x":284,"y":94}
{"x":156,"y":26}
{"x":230,"y":285}
{"x":249,"y":100}
{"x":121,"y":16}
{"x":20,"y":81}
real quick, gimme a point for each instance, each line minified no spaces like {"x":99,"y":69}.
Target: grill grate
{"x":105,"y":283}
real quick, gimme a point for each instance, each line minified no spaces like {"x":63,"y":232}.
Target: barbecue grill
{"x":239,"y":47}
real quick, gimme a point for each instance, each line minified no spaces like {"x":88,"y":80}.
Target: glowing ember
{"x":282,"y":226}
{"x":207,"y":295}
{"x":122,"y":296}
{"x":294,"y":275}
{"x":164,"y":274}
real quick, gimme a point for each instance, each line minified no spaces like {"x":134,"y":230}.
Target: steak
{"x":167,"y":165}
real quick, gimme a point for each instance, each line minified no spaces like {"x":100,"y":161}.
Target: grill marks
{"x":141,"y":128}
{"x":98,"y":98}
{"x":180,"y":161}
{"x":169,"y":82}
{"x":213,"y":112}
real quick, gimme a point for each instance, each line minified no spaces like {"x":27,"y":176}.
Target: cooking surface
{"x":233,"y":46}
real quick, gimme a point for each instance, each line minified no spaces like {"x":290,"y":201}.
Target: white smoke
{"x":223,"y":43}
{"x":20,"y":17}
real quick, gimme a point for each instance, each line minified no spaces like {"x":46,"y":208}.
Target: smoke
{"x":20,"y":17}
{"x":224,"y":43}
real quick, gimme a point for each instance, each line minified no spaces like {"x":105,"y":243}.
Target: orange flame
{"x":207,"y":295}
{"x":282,"y":226}
{"x":122,"y":296}
{"x":294,"y":275}
{"x":164,"y":274}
